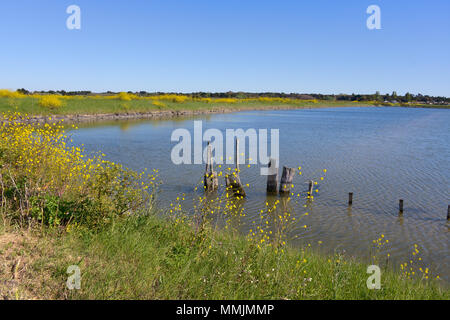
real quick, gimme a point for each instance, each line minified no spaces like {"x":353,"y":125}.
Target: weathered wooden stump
{"x":234,"y":184}
{"x":233,"y":181}
{"x":286,"y":180}
{"x":272,"y":179}
{"x":210,"y":181}
{"x":448,"y":212}
{"x":400,"y":205}
{"x":350,"y":198}
{"x":310,"y":187}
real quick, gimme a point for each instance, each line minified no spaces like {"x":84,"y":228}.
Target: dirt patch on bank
{"x":25,"y":271}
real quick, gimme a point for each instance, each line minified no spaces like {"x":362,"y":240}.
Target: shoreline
{"x":90,"y":113}
{"x":161,"y":114}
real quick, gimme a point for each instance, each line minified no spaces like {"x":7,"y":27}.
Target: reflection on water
{"x":380,"y":154}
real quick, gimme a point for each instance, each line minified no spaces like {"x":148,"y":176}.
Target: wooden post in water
{"x":400,"y":205}
{"x":448,"y":212}
{"x":272,"y":179}
{"x":211,"y":181}
{"x":350,"y":198}
{"x":310,"y":187}
{"x":233,"y":181}
{"x":286,"y":180}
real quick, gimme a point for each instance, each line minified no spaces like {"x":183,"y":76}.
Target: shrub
{"x":46,"y":181}
{"x":4,"y":93}
{"x":171,"y":97}
{"x":50,"y":101}
{"x":124,"y":96}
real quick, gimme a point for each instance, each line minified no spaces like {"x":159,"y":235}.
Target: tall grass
{"x":148,"y":257}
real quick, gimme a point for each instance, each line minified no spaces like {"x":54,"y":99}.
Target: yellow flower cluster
{"x":50,"y":101}
{"x":44,"y":178}
{"x":4,"y":93}
{"x":414,"y":268}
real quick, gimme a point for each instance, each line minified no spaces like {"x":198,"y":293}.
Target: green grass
{"x":153,"y":258}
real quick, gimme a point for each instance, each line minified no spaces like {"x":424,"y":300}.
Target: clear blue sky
{"x":210,"y":45}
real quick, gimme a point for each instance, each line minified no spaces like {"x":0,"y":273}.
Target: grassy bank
{"x":45,"y":105}
{"x":59,"y":208}
{"x":148,"y":257}
{"x":92,"y":106}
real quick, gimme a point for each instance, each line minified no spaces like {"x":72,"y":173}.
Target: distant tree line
{"x":61,"y":92}
{"x":377,"y":96}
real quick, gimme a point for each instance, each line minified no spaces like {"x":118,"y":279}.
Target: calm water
{"x":380,"y":154}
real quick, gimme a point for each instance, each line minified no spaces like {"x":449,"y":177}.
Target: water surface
{"x":381,"y":154}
